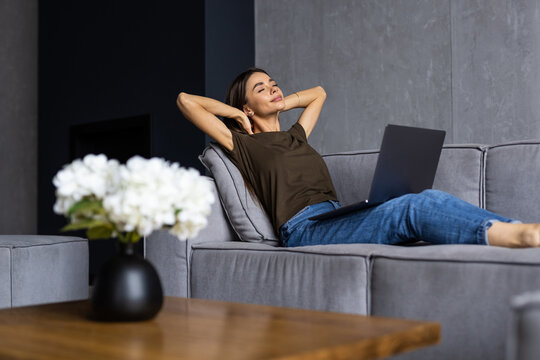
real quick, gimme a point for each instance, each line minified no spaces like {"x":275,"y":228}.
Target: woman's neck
{"x":270,"y":123}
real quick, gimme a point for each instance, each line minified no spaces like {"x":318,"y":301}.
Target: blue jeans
{"x":433,"y":216}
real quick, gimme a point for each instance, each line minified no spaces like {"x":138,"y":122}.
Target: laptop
{"x":407,"y":163}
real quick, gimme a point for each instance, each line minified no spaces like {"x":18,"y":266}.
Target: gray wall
{"x":18,"y":116}
{"x":468,"y":67}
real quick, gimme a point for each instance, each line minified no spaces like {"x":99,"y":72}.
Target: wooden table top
{"x":203,"y":329}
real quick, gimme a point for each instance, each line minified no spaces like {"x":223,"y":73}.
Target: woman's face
{"x":263,"y":95}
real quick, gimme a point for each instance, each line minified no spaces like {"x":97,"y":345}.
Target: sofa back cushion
{"x":512,"y":178}
{"x":352,"y":173}
{"x":248,"y":219}
{"x":460,"y":172}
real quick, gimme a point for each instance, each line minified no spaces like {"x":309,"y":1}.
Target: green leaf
{"x":129,"y":237}
{"x":88,"y":206}
{"x":100,"y":232}
{"x":84,"y":224}
{"x":135,"y":237}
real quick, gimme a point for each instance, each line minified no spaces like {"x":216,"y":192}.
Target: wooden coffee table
{"x":203,"y":329}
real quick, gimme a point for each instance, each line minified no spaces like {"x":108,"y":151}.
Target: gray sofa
{"x":39,"y":269}
{"x":467,"y":288}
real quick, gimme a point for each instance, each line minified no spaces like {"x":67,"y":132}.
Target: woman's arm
{"x":203,"y":112}
{"x":312,"y":100}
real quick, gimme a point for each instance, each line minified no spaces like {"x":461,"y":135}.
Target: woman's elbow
{"x":182,"y":100}
{"x":321,"y":91}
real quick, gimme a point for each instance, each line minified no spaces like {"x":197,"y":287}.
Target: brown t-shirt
{"x":286,"y":173}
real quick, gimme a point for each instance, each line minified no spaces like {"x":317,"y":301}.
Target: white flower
{"x":92,"y":176}
{"x":195,"y":201}
{"x":142,"y":196}
{"x":152,"y":191}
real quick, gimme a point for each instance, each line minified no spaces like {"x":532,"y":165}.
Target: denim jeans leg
{"x":302,"y":217}
{"x":433,"y":216}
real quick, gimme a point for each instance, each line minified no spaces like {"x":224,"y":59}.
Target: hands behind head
{"x":244,"y":122}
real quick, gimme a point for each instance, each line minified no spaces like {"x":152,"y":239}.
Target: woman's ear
{"x":248,"y":111}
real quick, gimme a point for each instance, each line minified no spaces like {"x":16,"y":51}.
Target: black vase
{"x":127,"y":288}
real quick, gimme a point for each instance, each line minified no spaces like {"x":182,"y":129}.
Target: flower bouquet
{"x":132,"y":200}
{"x":128,"y":202}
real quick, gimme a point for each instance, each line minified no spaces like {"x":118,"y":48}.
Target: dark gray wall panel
{"x":496,"y":63}
{"x":105,"y":60}
{"x":379,"y":61}
{"x":18,"y":116}
{"x":468,"y":67}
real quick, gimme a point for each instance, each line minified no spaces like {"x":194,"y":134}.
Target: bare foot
{"x":514,"y":235}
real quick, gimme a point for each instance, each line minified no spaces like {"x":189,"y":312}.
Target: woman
{"x":291,"y":180}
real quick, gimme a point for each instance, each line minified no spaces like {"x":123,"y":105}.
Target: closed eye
{"x":261,"y":88}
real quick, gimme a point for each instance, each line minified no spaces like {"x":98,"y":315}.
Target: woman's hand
{"x":244,"y":122}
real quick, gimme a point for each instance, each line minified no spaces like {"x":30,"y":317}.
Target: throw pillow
{"x":247,"y":217}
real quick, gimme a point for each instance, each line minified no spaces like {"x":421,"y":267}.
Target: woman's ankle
{"x":514,"y":235}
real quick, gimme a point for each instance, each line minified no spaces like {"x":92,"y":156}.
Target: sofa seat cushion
{"x":325,"y":277}
{"x":467,"y":288}
{"x":512,"y":174}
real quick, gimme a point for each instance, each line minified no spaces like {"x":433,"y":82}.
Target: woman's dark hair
{"x":236,"y":96}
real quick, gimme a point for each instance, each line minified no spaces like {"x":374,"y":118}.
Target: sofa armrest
{"x":524,"y":328}
{"x":171,"y":256}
